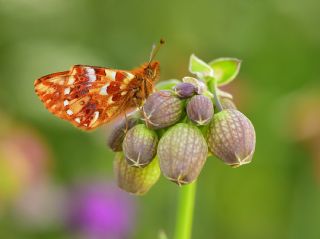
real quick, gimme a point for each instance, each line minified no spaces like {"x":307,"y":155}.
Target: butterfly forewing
{"x":87,"y":96}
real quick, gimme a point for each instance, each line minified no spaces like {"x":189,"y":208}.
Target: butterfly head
{"x":152,"y":71}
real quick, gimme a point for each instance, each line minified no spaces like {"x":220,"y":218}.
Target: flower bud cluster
{"x":175,"y":132}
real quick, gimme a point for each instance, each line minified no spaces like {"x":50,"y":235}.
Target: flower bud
{"x":140,"y":145}
{"x":182,"y":152}
{"x":231,"y":137}
{"x":162,"y":109}
{"x":135,"y":180}
{"x":200,"y":86}
{"x":117,"y":134}
{"x":227,"y":103}
{"x":185,"y":90}
{"x":200,"y":109}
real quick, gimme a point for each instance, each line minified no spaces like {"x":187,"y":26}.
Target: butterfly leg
{"x":136,"y":103}
{"x":127,"y":123}
{"x":163,"y":94}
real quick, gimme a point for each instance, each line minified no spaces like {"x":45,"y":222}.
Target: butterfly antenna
{"x":155,"y":49}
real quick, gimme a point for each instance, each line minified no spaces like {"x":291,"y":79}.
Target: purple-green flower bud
{"x":182,"y":152}
{"x":231,"y":137}
{"x":140,"y":145}
{"x":135,"y":180}
{"x":200,"y":86}
{"x":227,"y":103}
{"x":117,"y":134}
{"x":200,"y":109}
{"x":162,"y":109}
{"x":185,"y":90}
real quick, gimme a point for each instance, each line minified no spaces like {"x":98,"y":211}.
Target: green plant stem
{"x":185,"y":212}
{"x":213,"y":88}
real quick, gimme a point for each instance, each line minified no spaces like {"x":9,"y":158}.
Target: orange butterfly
{"x":89,"y":96}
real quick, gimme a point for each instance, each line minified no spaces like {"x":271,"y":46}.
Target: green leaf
{"x":167,"y":85}
{"x":199,"y":67}
{"x":225,"y":69}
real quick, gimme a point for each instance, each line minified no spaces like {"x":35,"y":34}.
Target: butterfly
{"x":89,"y":96}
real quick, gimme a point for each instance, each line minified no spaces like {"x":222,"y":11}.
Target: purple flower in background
{"x":101,"y":210}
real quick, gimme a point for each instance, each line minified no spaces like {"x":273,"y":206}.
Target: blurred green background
{"x":276,"y":196}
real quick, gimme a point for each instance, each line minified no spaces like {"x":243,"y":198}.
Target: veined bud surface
{"x":182,"y":152}
{"x":140,"y":145}
{"x":135,"y":180}
{"x":200,"y":109}
{"x":118,"y":133}
{"x":162,"y":109}
{"x":227,"y":103}
{"x":200,"y":85}
{"x":231,"y":137}
{"x":185,"y":90}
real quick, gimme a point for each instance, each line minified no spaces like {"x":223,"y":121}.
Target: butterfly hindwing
{"x":86,"y":96}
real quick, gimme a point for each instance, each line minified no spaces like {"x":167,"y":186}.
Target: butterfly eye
{"x":149,"y":72}
{"x":152,"y":71}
